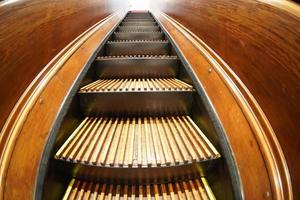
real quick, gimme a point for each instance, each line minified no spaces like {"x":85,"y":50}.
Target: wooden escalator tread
{"x":138,"y":84}
{"x":197,"y":189}
{"x":137,"y":142}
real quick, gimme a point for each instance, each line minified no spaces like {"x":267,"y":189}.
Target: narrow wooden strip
{"x":125,"y":192}
{"x":197,"y":129}
{"x":186,"y":191}
{"x":144,"y":144}
{"x":193,"y":141}
{"x":172,"y":143}
{"x":171,"y":191}
{"x":172,"y":85}
{"x":139,"y":142}
{"x":101,"y":195}
{"x":118,"y":192}
{"x":141,"y":192}
{"x":69,"y":189}
{"x":156,"y":86}
{"x":110,"y":85}
{"x":87,"y":191}
{"x":156,"y":192}
{"x":81,"y":191}
{"x":160,"y":84}
{"x":187,"y":86}
{"x":133,"y":192}
{"x":117,"y":87}
{"x":165,"y":146}
{"x":85,"y":88}
{"x":95,"y":192}
{"x":151,"y":86}
{"x":100,"y":142}
{"x":148,"y":192}
{"x":107,"y":143}
{"x":157,"y":149}
{"x":208,"y":190}
{"x":130,"y":144}
{"x":110,"y":193}
{"x":194,"y":191}
{"x":177,"y":84}
{"x":102,"y":86}
{"x":184,"y":154}
{"x":185,"y":139}
{"x":91,"y":148}
{"x":179,"y":192}
{"x":74,"y":136}
{"x":115,"y":143}
{"x":88,"y":141}
{"x":122,"y":86}
{"x":123,"y":142}
{"x":198,"y":138}
{"x":81,"y":140}
{"x":164,"y":191}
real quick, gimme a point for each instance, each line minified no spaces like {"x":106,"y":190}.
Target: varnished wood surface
{"x":261,"y":44}
{"x":19,"y":169}
{"x":239,"y":129}
{"x":33,"y":32}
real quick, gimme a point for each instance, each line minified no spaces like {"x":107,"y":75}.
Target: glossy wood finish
{"x":33,"y":32}
{"x":247,"y":139}
{"x":19,"y":168}
{"x":261,"y":43}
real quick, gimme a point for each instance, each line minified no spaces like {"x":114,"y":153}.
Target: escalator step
{"x":197,"y":189}
{"x":138,"y":28}
{"x":155,"y":35}
{"x":139,"y":23}
{"x":138,"y":20}
{"x":137,"y":142}
{"x":139,"y":66}
{"x":137,"y":47}
{"x":140,"y":84}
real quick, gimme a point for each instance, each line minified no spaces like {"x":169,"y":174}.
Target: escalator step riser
{"x":138,"y":28}
{"x":196,"y":189}
{"x":145,"y":23}
{"x":137,"y":48}
{"x":137,"y":142}
{"x":138,"y":67}
{"x":138,"y":20}
{"x":139,"y":17}
{"x":138,"y":36}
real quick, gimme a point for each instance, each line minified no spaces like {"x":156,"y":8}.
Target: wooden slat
{"x":196,"y":189}
{"x":137,"y":142}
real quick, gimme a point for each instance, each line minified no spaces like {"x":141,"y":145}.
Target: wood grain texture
{"x":33,"y":32}
{"x":18,"y":179}
{"x":245,"y":148}
{"x":261,"y":43}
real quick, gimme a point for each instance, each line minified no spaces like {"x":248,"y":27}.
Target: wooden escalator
{"x":133,"y":130}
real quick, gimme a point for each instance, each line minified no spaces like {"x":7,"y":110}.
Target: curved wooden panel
{"x":261,"y":43}
{"x":23,"y":149}
{"x":33,"y":32}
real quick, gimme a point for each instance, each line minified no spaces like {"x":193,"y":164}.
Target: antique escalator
{"x":137,"y":126}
